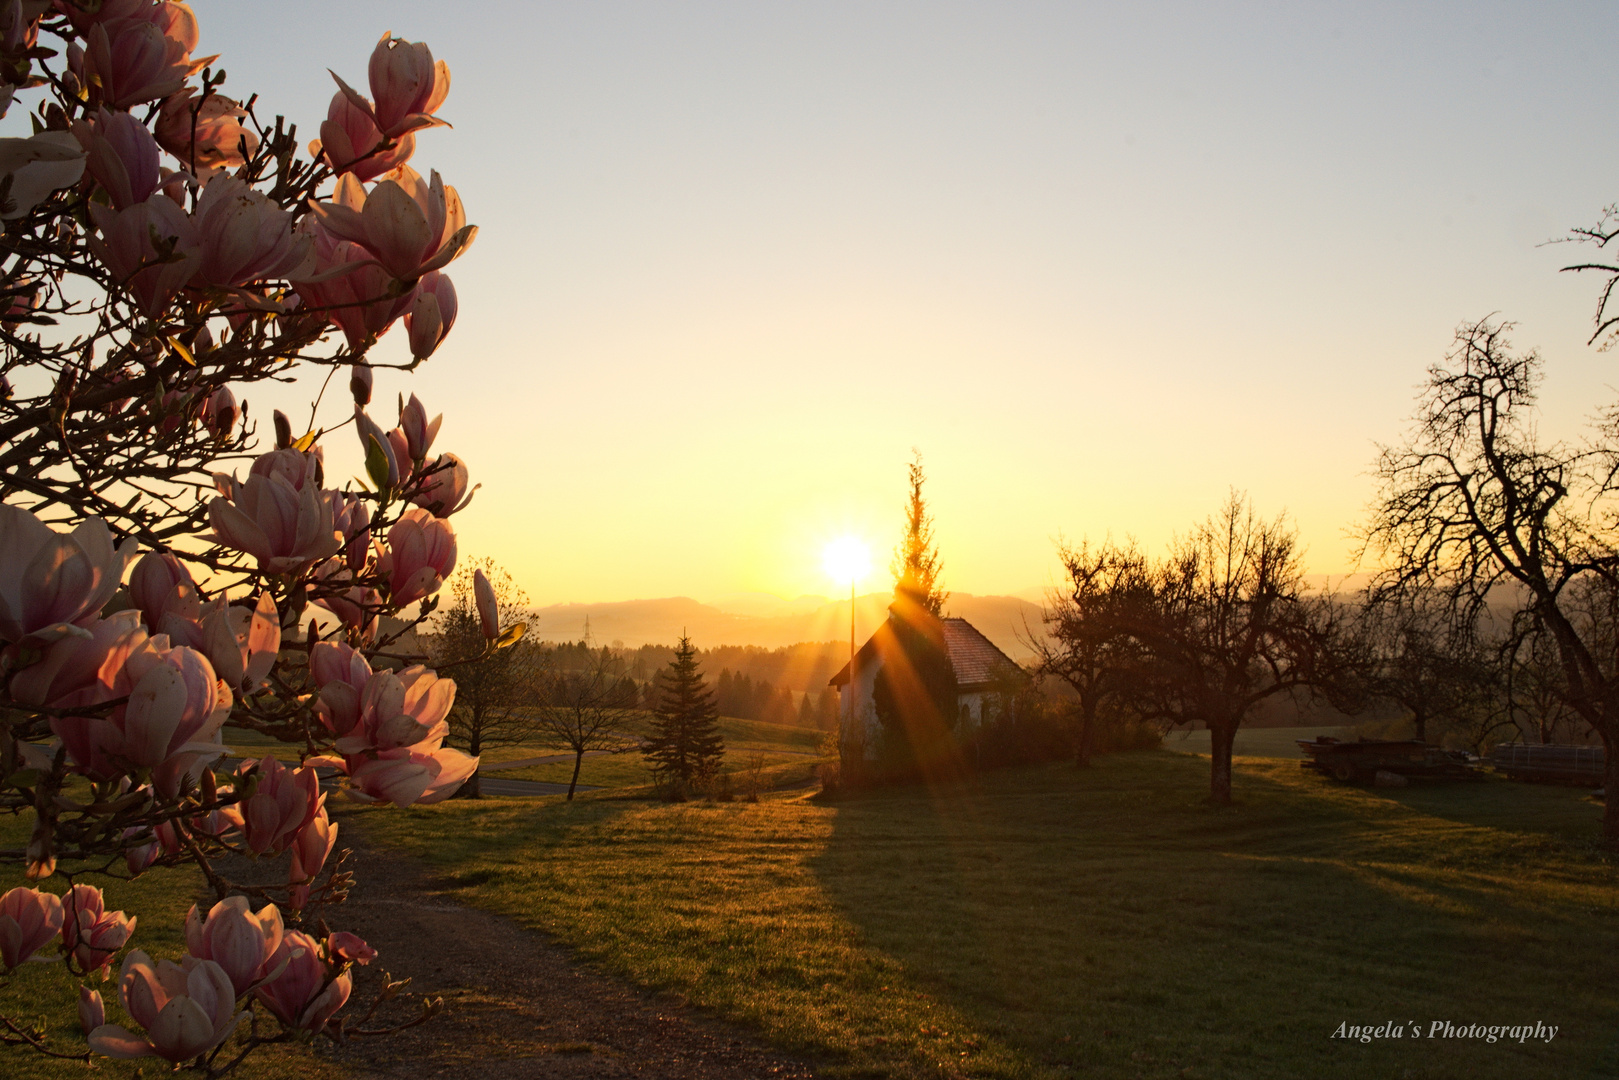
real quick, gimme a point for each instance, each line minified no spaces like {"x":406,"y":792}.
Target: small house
{"x":983,"y":674}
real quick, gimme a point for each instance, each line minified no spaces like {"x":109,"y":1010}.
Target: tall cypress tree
{"x":686,"y":743}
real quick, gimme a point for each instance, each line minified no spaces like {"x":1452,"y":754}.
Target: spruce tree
{"x":685,"y":744}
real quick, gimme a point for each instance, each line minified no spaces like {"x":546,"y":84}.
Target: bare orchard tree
{"x":1086,"y":643}
{"x":593,"y":709}
{"x":1474,"y":507}
{"x":496,"y":691}
{"x":1229,"y":626}
{"x":1423,"y":661}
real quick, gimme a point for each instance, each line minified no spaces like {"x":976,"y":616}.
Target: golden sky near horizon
{"x":1098,"y":265}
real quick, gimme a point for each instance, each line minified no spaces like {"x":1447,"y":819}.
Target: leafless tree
{"x":1229,"y":626}
{"x":1474,"y":507}
{"x":1087,"y":643}
{"x":591,"y":710}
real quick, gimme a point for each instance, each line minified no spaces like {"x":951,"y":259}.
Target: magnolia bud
{"x":360,"y":383}
{"x":92,"y":1011}
{"x":283,"y":430}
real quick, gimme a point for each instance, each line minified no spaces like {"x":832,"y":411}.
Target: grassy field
{"x":43,"y":991}
{"x":790,"y":752}
{"x":1053,"y":922}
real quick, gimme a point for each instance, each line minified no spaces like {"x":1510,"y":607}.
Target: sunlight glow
{"x":847,"y":560}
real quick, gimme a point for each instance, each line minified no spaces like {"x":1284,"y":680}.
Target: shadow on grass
{"x":1111,"y":923}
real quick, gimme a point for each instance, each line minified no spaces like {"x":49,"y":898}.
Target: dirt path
{"x":516,"y":1004}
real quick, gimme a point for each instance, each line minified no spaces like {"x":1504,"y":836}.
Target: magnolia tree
{"x":165,"y":249}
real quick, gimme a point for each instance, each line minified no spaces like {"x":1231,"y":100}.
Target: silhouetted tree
{"x":495,"y":691}
{"x":590,"y":710}
{"x":1088,"y":643}
{"x":685,"y":744}
{"x":1474,"y":508}
{"x":1228,"y":627}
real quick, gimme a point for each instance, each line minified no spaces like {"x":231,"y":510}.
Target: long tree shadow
{"x":1110,"y":923}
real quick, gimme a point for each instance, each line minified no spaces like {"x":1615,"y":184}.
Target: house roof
{"x":976,"y":660}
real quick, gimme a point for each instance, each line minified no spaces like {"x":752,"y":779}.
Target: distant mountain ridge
{"x":1002,"y":619}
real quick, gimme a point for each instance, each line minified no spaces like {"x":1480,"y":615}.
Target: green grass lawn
{"x":159,"y":901}
{"x":1056,"y":922}
{"x":787,"y":750}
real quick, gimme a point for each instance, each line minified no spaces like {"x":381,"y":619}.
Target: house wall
{"x":970,"y":708}
{"x":863,"y":734}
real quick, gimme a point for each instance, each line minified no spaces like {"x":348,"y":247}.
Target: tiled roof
{"x":976,"y":659}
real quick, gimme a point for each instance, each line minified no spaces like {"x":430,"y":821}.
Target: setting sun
{"x":847,"y":559}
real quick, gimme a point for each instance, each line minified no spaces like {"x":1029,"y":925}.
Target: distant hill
{"x":660,"y":622}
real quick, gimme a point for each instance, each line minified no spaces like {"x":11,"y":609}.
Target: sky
{"x":1098,"y":263}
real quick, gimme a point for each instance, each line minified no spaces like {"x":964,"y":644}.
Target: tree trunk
{"x":473,"y":788}
{"x":1421,"y":723}
{"x":578,"y":760}
{"x":1220,"y":740}
{"x":1087,"y":737}
{"x":1610,"y":793}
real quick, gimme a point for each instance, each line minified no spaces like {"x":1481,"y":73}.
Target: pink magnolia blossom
{"x":278,"y":515}
{"x":348,"y":288}
{"x":187,"y":1009}
{"x":488,"y":606}
{"x":418,"y":430}
{"x":220,"y":413}
{"x":37,"y":166}
{"x":351,"y":517}
{"x":220,"y":137}
{"x":431,"y":315}
{"x":370,"y":432}
{"x":284,"y":802}
{"x":409,"y":776}
{"x":236,"y":939}
{"x":29,"y":919}
{"x":133,"y":60}
{"x":152,"y":272}
{"x":409,"y":225}
{"x":170,"y":724}
{"x":382,"y":710}
{"x":92,"y":1010}
{"x":335,"y":662}
{"x":310,"y":849}
{"x":51,"y":581}
{"x":443,"y":488}
{"x":408,"y":86}
{"x":420,"y":556}
{"x":305,"y":995}
{"x":161,"y":585}
{"x":350,"y":142}
{"x":240,"y":642}
{"x":75,"y":671}
{"x":244,"y":237}
{"x":90,"y":933}
{"x":123,"y":156}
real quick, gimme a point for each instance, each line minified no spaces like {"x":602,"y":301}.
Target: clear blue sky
{"x":1099,"y":262}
